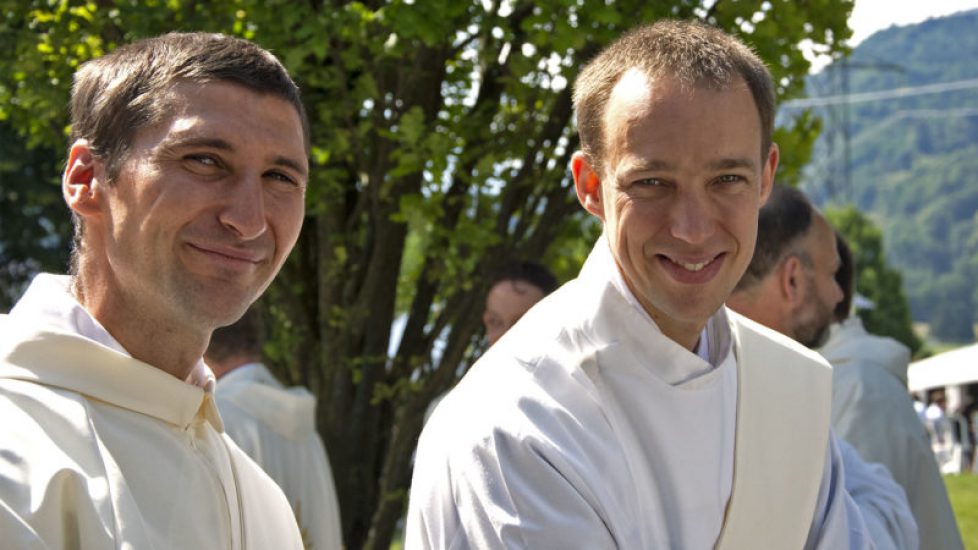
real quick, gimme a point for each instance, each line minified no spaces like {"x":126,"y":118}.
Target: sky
{"x":869,"y":16}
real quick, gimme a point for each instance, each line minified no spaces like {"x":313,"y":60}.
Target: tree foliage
{"x":34,"y":218}
{"x":441,"y":136}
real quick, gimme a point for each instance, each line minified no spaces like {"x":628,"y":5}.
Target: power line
{"x":896,"y":93}
{"x":937,"y":113}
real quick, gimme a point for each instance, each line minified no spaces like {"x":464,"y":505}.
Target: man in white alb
{"x":873,"y":411}
{"x":186,"y":180}
{"x":276,"y":426}
{"x":790,"y":286}
{"x":630,"y":409}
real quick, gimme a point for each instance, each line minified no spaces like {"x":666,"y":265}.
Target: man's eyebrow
{"x":224,"y":145}
{"x":651,"y":165}
{"x":211,"y":143}
{"x":656,"y":165}
{"x":645,"y":165}
{"x":732,"y":163}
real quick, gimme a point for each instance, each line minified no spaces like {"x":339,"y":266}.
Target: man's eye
{"x":730,"y":178}
{"x":648,"y":182}
{"x":206,"y":160}
{"x":284,"y":178}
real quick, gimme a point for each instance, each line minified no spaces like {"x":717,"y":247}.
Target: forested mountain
{"x":912,"y":158}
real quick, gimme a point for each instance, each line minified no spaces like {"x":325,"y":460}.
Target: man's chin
{"x":221,"y":306}
{"x":819,"y":339}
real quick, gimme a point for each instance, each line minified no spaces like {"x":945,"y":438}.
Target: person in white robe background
{"x":186,"y":180}
{"x":790,"y":286}
{"x":874,"y":412}
{"x":275,"y":426}
{"x":630,"y":408}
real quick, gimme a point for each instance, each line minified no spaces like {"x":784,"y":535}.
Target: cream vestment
{"x":873,"y":411}
{"x":276,"y":426}
{"x":586,"y":427}
{"x":101,"y":451}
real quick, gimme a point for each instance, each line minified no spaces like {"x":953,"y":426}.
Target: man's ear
{"x":82,"y":179}
{"x":768,"y":171}
{"x":792,"y":279}
{"x":587,"y":184}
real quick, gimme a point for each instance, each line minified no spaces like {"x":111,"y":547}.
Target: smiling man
{"x":631,"y":409}
{"x":186,"y":181}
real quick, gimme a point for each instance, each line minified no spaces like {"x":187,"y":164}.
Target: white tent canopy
{"x":951,"y":368}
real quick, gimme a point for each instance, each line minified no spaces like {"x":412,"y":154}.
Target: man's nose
{"x":244,"y":208}
{"x":837,"y":295}
{"x":693,"y":218}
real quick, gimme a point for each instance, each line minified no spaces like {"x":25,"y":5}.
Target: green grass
{"x":963,"y":492}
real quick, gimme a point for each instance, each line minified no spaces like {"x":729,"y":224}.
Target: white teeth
{"x":693,"y":267}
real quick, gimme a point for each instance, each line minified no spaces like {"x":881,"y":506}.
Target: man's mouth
{"x":230,"y":254}
{"x":691,"y":266}
{"x":693,"y":270}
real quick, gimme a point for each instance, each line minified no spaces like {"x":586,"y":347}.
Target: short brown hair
{"x":243,"y":338}
{"x":692,"y":52}
{"x":529,"y":272}
{"x":122,"y":92}
{"x":845,"y":276}
{"x":782,"y":223}
{"x":117,"y":95}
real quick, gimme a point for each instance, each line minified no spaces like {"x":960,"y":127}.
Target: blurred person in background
{"x":514,"y":290}
{"x":873,"y":411}
{"x":276,"y":426}
{"x":790,"y":286}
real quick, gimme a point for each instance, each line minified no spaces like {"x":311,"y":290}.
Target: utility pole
{"x":844,"y":65}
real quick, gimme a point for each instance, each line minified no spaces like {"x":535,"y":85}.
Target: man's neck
{"x":683,"y":333}
{"x":157,"y":340}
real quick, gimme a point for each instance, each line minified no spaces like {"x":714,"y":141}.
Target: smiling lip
{"x":693,"y":272}
{"x":229,"y":254}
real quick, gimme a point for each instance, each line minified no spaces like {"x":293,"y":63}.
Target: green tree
{"x":875,"y":280}
{"x":35,"y":219}
{"x":441,"y":132}
{"x":953,"y":315}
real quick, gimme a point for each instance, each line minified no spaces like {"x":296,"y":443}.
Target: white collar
{"x":716,"y":331}
{"x":49,"y":302}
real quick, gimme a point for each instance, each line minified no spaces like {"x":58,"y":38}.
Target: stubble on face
{"x":203,"y":210}
{"x":813,"y":321}
{"x":203,"y":213}
{"x":812,"y":324}
{"x":682,"y":186}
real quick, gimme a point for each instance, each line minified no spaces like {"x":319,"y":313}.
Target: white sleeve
{"x":881,"y":500}
{"x":838,"y":523}
{"x":17,"y":532}
{"x":506,"y":492}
